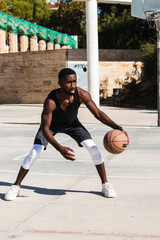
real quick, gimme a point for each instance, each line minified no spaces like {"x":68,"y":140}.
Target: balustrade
{"x":23,"y":36}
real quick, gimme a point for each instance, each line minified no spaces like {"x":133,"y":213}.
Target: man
{"x":60,"y":116}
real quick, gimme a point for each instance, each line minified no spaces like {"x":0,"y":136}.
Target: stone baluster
{"x":65,"y":47}
{"x":33,"y":43}
{"x":13,"y":43}
{"x":57,"y":46}
{"x":50,"y":46}
{"x":23,"y":43}
{"x":2,"y":41}
{"x":42,"y":45}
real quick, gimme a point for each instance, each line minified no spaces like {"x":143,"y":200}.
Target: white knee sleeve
{"x":31,"y":157}
{"x":93,"y":150}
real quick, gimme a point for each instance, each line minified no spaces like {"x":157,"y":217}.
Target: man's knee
{"x":93,"y":150}
{"x":31,"y":157}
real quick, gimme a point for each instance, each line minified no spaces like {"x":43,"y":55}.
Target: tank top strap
{"x":76,"y":95}
{"x":52,"y":95}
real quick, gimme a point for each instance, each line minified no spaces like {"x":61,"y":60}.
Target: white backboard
{"x":139,"y":7}
{"x":151,"y":5}
{"x":124,"y":2}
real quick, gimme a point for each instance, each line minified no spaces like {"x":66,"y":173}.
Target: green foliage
{"x":4,"y":7}
{"x":35,"y":11}
{"x":118,"y":30}
{"x":21,"y":9}
{"x":130,"y":93}
{"x":137,"y":94}
{"x":149,"y":60}
{"x":143,"y":91}
{"x":68,"y":17}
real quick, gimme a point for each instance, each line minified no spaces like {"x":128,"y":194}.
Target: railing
{"x":20,"y":35}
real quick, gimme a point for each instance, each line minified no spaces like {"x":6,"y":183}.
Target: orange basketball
{"x":115,"y":141}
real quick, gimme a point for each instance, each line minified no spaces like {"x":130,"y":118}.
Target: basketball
{"x":115,"y":141}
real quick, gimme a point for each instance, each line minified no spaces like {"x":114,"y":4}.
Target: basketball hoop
{"x":153,"y":19}
{"x":150,"y":10}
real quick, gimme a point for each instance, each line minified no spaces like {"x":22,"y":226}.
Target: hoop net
{"x":153,"y":19}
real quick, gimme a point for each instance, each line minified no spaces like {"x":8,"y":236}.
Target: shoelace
{"x":12,"y":189}
{"x":109,"y":185}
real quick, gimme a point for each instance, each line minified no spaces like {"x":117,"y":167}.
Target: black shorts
{"x":76,"y":131}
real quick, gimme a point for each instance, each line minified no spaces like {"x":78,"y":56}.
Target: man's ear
{"x":59,"y":82}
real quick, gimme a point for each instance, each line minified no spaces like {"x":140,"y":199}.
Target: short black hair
{"x":64,"y":72}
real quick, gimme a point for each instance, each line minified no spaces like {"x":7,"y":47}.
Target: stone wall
{"x":114,"y":67}
{"x":105,"y":55}
{"x":113,"y":74}
{"x":28,"y":77}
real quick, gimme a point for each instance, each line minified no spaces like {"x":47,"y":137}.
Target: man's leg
{"x":98,"y":161}
{"x":13,"y":191}
{"x":21,"y":175}
{"x":102,"y":172}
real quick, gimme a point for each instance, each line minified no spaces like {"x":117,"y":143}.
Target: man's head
{"x":64,"y":72}
{"x":67,"y":79}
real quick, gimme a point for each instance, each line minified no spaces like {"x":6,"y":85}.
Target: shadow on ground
{"x":47,"y":191}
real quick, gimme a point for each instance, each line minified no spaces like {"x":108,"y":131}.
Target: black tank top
{"x":61,"y":118}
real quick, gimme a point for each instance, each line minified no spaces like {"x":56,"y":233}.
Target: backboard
{"x":123,"y":2}
{"x":139,"y":7}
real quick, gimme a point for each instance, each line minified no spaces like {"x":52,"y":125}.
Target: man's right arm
{"x":46,"y":118}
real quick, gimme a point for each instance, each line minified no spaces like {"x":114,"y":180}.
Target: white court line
{"x":52,"y":160}
{"x":67,"y":138}
{"x":107,"y":160}
{"x":81,"y":175}
{"x":152,"y":126}
{"x":61,"y":160}
{"x":19,"y":157}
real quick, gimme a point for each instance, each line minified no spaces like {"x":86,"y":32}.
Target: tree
{"x":35,"y":11}
{"x":4,"y":7}
{"x":118,"y":29}
{"x":68,"y":18}
{"x":143,"y":91}
{"x":41,"y":12}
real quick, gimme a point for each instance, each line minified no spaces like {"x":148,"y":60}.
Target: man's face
{"x":68,"y":84}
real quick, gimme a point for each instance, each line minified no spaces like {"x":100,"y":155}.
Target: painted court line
{"x":66,"y":139}
{"x":82,"y":175}
{"x":19,"y":157}
{"x":117,"y":235}
{"x":51,"y":159}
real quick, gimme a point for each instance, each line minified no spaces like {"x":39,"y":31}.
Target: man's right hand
{"x":67,"y":153}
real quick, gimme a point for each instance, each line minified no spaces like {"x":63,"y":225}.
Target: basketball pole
{"x":158,"y":75}
{"x":92,"y":49}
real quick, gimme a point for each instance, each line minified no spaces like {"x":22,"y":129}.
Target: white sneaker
{"x":107,"y":190}
{"x":12,"y":193}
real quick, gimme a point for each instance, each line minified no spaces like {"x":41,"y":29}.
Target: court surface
{"x":62,"y":200}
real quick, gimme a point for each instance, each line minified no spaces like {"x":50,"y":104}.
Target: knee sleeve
{"x":31,"y":157}
{"x":93,"y":150}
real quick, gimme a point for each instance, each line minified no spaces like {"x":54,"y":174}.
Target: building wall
{"x":105,"y":55}
{"x":114,"y":67}
{"x":28,"y":77}
{"x":113,"y":74}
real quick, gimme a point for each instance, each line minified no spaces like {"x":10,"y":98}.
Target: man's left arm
{"x":100,"y":115}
